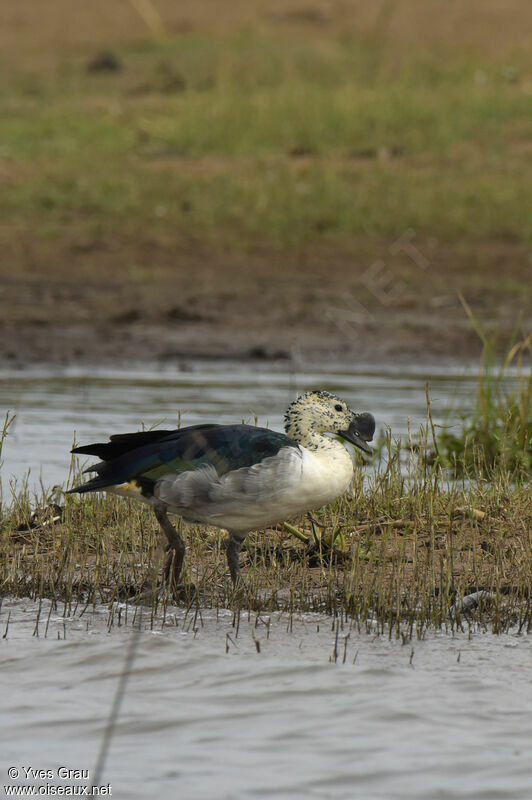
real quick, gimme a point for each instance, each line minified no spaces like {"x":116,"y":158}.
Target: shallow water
{"x":53,"y":406}
{"x":206,"y":716}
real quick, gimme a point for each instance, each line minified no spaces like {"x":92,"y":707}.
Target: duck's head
{"x":323,"y":412}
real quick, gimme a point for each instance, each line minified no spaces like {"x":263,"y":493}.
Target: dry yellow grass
{"x":403,"y":557}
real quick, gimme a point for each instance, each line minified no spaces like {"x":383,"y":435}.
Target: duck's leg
{"x":176,"y":546}
{"x":233,"y":546}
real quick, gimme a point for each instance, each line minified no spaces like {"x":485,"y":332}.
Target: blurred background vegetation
{"x":146,"y":138}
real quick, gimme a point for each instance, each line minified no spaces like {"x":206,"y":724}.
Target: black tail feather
{"x":91,"y":486}
{"x":146,"y":486}
{"x":122,"y":443}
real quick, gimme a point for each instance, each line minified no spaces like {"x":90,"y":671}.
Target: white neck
{"x":331,"y":465}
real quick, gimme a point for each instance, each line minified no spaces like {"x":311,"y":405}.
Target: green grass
{"x":498,"y":435}
{"x":283,"y":138}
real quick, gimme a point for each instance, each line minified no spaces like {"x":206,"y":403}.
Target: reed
{"x":499,"y":432}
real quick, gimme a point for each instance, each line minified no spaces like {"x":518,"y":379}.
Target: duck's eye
{"x":338,"y":407}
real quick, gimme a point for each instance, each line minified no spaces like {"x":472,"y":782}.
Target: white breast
{"x":287,"y":484}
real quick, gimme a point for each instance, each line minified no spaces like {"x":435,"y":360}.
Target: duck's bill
{"x":360,"y":432}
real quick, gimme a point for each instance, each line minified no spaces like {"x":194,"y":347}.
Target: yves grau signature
{"x":58,"y":789}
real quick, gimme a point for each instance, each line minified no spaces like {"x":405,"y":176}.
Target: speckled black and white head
{"x":322,"y":412}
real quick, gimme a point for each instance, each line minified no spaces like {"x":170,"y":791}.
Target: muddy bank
{"x":106,"y":300}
